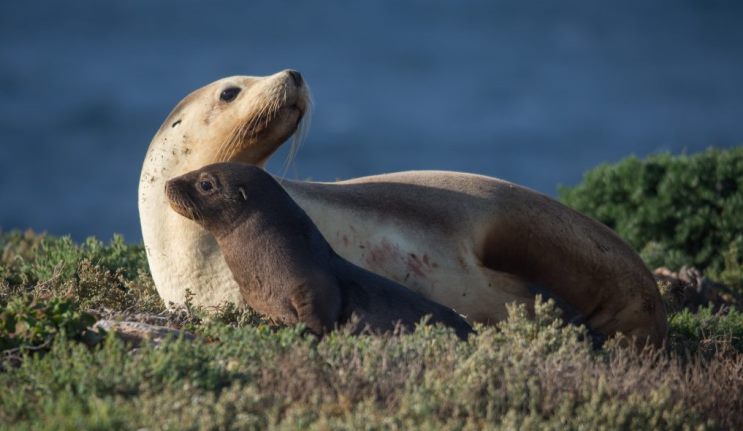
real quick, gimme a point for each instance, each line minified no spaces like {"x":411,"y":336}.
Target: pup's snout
{"x":169,"y":188}
{"x":172,"y":191}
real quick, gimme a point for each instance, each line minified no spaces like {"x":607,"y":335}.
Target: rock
{"x":689,"y":288}
{"x":138,"y":332}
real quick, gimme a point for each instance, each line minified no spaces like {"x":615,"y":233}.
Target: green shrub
{"x":704,"y":331}
{"x":96,"y":275}
{"x":30,"y":258}
{"x":32,"y":324}
{"x":675,"y":210}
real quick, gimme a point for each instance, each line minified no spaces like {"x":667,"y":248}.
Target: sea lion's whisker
{"x":226,"y":143}
{"x":298,"y":137}
{"x":193,"y":208}
{"x":263,"y":115}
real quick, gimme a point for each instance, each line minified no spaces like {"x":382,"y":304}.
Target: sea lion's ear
{"x":242,"y":192}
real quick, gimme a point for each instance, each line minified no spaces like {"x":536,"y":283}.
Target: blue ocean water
{"x":532,"y":92}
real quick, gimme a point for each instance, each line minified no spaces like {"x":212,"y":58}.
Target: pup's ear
{"x":242,"y":192}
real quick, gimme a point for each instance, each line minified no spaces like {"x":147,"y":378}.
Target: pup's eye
{"x":206,"y":186}
{"x":229,"y":94}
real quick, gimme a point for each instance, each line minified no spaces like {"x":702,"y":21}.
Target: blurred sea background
{"x":532,"y":92}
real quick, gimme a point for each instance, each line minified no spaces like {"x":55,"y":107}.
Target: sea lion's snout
{"x":298,"y":103}
{"x":295,"y":76}
{"x":178,"y":198}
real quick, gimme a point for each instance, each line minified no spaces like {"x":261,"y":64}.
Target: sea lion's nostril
{"x":296,"y":77}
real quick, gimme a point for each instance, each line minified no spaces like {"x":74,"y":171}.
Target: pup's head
{"x":218,"y":196}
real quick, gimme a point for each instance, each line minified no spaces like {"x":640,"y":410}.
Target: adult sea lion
{"x":284,"y":266}
{"x":470,"y":242}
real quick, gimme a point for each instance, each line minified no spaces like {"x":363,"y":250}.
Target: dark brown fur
{"x":284,"y":266}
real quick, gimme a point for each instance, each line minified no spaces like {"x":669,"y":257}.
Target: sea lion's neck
{"x":264,"y":249}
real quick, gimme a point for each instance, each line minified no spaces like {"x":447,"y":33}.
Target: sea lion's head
{"x":240,"y":118}
{"x":219,"y":196}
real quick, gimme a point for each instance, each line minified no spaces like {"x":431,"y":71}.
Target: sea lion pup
{"x":469,"y":242}
{"x":285,"y":268}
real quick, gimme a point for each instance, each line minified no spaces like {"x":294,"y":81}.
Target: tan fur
{"x":470,"y":242}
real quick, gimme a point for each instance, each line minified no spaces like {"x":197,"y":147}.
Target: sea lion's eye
{"x":206,"y":186}
{"x":229,"y":94}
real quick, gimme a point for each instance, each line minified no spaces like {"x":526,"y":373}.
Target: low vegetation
{"x":242,"y":372}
